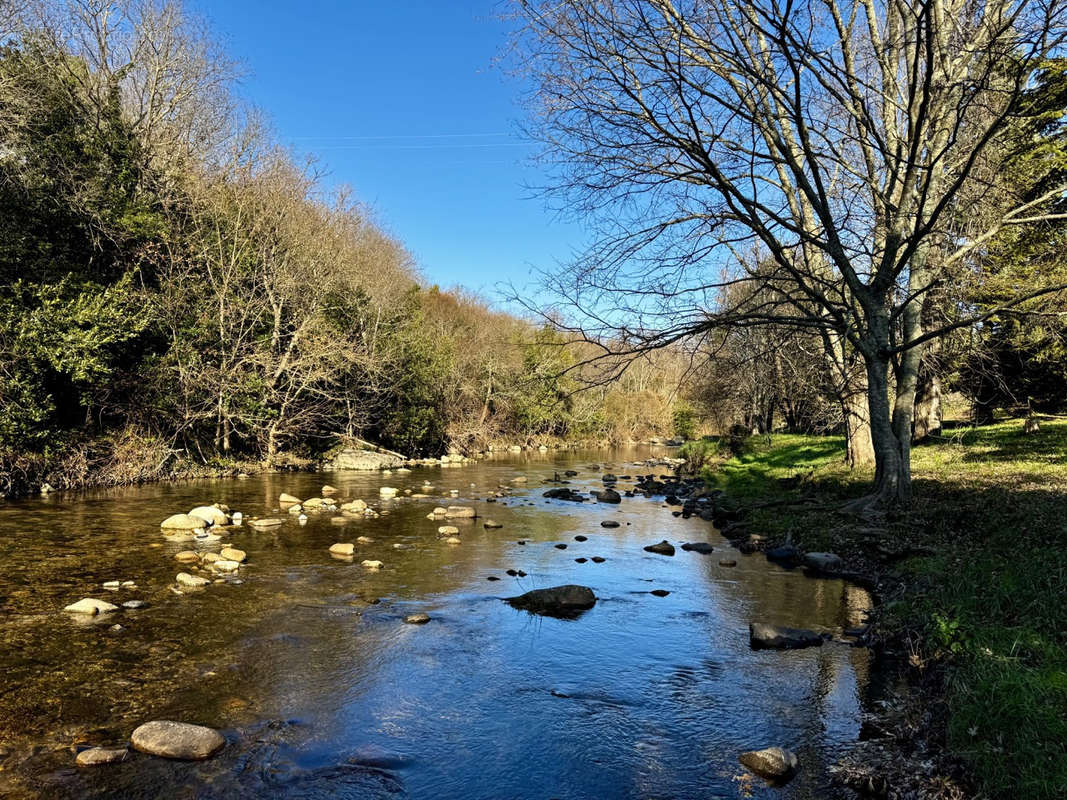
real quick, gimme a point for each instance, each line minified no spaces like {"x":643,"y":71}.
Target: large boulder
{"x":607,"y":496}
{"x":773,"y":763}
{"x":177,"y":740}
{"x":773,"y":637}
{"x":182,"y":522}
{"x":365,"y":460}
{"x":823,"y":562}
{"x":557,"y":601}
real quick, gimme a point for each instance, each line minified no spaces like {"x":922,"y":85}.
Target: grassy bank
{"x":979,"y":566}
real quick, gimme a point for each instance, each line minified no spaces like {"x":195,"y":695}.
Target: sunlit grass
{"x":988,"y":594}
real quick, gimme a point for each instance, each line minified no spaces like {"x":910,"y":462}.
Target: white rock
{"x":372,"y":564}
{"x":91,"y":606}
{"x":342,"y":548}
{"x":387,"y":491}
{"x":210,"y":515}
{"x":182,"y":522}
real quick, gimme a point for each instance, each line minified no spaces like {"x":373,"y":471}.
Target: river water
{"x":321,"y":692}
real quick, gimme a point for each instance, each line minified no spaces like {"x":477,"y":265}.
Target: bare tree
{"x":831,"y":137}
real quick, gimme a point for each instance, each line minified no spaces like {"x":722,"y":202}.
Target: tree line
{"x":176,"y":286}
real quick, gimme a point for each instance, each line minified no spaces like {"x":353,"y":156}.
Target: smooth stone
{"x":609,"y":523}
{"x":491,"y":524}
{"x":182,"y":522}
{"x":210,"y":515}
{"x":448,"y":530}
{"x":608,"y":496}
{"x":268,"y":522}
{"x":233,"y":554}
{"x":372,"y":564}
{"x":453,"y":540}
{"x":193,"y":581}
{"x":823,"y":562}
{"x":459,"y":512}
{"x":210,"y":558}
{"x":354,"y":505}
{"x":774,"y":637}
{"x":663,"y":548}
{"x":773,"y":762}
{"x":112,"y":585}
{"x":177,"y":740}
{"x":698,"y":547}
{"x":327,"y":489}
{"x":786,"y":554}
{"x":98,"y":756}
{"x":314,"y":502}
{"x":598,"y":559}
{"x":342,"y":548}
{"x":288,"y":498}
{"x":557,"y":601}
{"x":225,"y":565}
{"x":492,"y":578}
{"x":134,"y":604}
{"x":387,"y":491}
{"x":581,"y":560}
{"x":561,"y":546}
{"x":660,"y":592}
{"x":417,"y":619}
{"x":91,"y":607}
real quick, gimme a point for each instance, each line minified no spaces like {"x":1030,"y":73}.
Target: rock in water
{"x":365,"y":460}
{"x":459,"y":512}
{"x":417,"y":619}
{"x":786,"y":554}
{"x":210,"y":515}
{"x":491,"y":524}
{"x":371,"y":564}
{"x":698,"y":547}
{"x":97,"y":756}
{"x":91,"y":607}
{"x":182,"y":522}
{"x":609,"y":523}
{"x":764,"y":636}
{"x":342,"y":548}
{"x":192,"y":581}
{"x":664,"y":548}
{"x":823,"y":562}
{"x":288,"y":499}
{"x":608,"y":496}
{"x":558,"y":601}
{"x":233,"y":554}
{"x":177,"y":740}
{"x":354,"y":505}
{"x":269,"y":522}
{"x":775,"y":763}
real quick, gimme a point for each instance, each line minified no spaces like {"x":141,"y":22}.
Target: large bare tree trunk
{"x":927,"y":405}
{"x":857,"y":415}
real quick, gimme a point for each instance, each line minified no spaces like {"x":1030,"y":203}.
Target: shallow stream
{"x":321,"y":692}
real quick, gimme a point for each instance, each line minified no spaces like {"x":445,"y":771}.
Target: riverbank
{"x":972,"y":584}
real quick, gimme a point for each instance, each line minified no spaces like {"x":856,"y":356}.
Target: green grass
{"x":986,"y":599}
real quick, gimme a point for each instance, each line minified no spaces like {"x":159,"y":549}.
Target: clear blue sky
{"x":401,"y":101}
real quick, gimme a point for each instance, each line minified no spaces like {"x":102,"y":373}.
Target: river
{"x":322,"y":691}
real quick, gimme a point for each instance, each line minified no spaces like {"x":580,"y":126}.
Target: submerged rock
{"x":98,"y":756}
{"x":459,"y":512}
{"x":664,"y":548}
{"x":417,"y":619}
{"x":775,"y":763}
{"x":764,"y":636}
{"x":177,"y":740}
{"x":558,"y":601}
{"x":91,"y":607}
{"x":268,"y":522}
{"x":491,"y":524}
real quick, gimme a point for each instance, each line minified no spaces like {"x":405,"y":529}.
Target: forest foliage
{"x":175,"y":285}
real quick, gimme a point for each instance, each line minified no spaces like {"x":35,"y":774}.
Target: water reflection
{"x":322,"y":691}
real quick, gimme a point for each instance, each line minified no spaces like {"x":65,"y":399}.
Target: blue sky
{"x":401,"y":101}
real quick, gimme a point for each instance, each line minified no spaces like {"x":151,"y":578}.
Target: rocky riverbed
{"x":282,"y":633}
